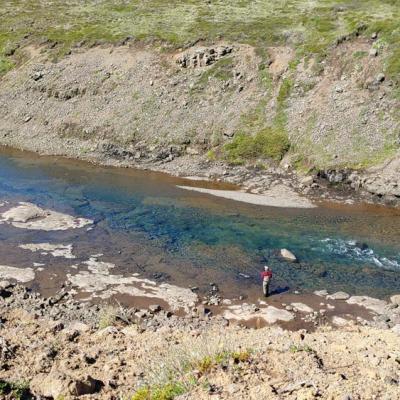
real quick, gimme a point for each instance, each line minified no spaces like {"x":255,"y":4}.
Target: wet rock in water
{"x":321,"y":293}
{"x":56,"y":250}
{"x":288,"y":255}
{"x":339,"y":296}
{"x":30,"y":216}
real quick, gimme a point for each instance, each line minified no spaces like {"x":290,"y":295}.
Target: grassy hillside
{"x":309,"y":26}
{"x":319,"y":99}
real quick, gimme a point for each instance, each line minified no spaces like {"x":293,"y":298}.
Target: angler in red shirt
{"x":266,"y":277}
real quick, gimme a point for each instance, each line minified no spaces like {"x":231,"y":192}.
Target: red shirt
{"x":266,"y":274}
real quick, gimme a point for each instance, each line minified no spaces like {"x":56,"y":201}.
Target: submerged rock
{"x":56,"y":250}
{"x":338,"y":296}
{"x":30,"y":216}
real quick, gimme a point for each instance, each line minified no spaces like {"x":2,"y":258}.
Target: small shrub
{"x":296,"y":349}
{"x":241,"y":356}
{"x":142,"y":394}
{"x":5,"y":65}
{"x":268,"y":143}
{"x":18,"y":390}
{"x":166,"y":392}
{"x":107,"y":317}
{"x":205,"y":364}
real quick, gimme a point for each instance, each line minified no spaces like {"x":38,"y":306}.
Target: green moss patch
{"x":268,"y":143}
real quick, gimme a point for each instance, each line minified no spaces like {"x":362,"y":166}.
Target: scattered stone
{"x":203,"y":56}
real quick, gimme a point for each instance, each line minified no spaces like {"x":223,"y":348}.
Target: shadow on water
{"x":197,"y":239}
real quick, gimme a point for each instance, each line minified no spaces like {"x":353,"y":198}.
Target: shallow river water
{"x":145,"y":224}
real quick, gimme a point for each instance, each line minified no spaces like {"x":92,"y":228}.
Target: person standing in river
{"x":266,"y":277}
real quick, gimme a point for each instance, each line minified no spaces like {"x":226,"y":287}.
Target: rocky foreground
{"x":59,"y":348}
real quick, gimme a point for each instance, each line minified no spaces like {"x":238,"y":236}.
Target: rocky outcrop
{"x":203,"y":56}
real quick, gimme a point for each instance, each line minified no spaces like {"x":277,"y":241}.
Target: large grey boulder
{"x":288,"y":255}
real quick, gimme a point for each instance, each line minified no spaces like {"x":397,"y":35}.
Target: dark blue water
{"x":202,"y":238}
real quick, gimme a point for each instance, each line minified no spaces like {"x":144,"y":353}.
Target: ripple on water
{"x":360,"y":252}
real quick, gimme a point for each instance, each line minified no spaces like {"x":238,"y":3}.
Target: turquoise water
{"x":198,"y":238}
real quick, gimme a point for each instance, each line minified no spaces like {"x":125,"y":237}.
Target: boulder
{"x":395,"y":299}
{"x":288,"y":255}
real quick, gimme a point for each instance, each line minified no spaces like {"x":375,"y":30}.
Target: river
{"x":144,"y":223}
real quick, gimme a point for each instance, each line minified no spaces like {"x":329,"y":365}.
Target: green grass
{"x":107,"y":317}
{"x":280,"y":119}
{"x":311,"y":26}
{"x":267,"y":144}
{"x":186,"y":365}
{"x":221,"y":71}
{"x":297,"y":349}
{"x":165,"y":392}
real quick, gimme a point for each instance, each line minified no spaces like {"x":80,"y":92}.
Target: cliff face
{"x":274,"y":89}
